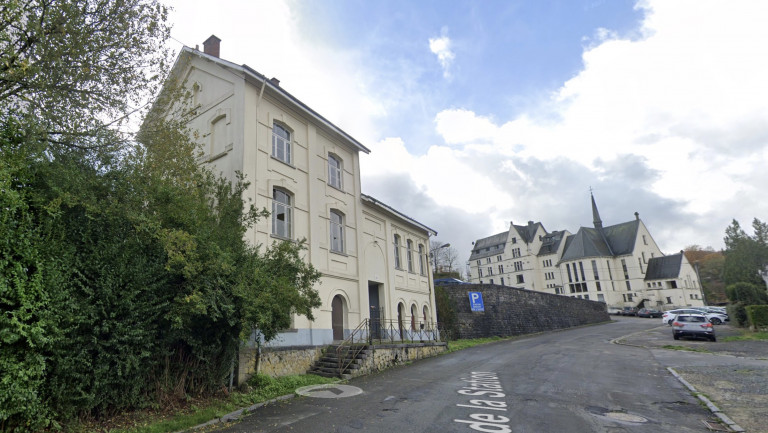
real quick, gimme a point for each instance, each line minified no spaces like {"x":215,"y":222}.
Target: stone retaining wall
{"x":389,"y":355}
{"x":511,"y":311}
{"x":277,"y":361}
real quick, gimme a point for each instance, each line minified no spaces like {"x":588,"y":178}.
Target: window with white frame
{"x":490,"y":270}
{"x":282,"y":213}
{"x":337,"y":231}
{"x":409,"y":254}
{"x":281,"y":143}
{"x":334,"y":171}
{"x":398,"y":265}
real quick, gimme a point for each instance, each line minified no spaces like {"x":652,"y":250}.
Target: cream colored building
{"x":620,"y":265}
{"x":306,"y":172}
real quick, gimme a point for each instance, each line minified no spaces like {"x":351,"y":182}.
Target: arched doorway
{"x":337,"y":318}
{"x":414,"y":315}
{"x":400,"y":318}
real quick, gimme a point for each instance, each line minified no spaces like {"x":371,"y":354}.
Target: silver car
{"x":694,"y":326}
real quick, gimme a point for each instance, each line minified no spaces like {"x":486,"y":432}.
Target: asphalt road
{"x":569,"y":381}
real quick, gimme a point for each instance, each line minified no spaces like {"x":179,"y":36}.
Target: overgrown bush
{"x":742,"y":295}
{"x":757,"y":316}
{"x":446,"y":314}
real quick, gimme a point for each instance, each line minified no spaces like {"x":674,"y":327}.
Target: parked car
{"x":614,"y":311}
{"x":714,"y":318}
{"x":628,"y":311}
{"x":648,"y":312}
{"x":694,"y":326}
{"x":448,"y":281}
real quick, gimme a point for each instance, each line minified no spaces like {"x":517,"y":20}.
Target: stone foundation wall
{"x":510,"y":311}
{"x":390,"y":355}
{"x":277,"y":361}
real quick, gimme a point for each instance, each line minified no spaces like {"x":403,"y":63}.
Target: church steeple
{"x":595,"y":214}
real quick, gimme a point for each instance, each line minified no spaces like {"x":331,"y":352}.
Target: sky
{"x":482,"y":113}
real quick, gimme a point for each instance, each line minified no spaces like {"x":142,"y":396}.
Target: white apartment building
{"x":306,"y":171}
{"x":620,"y":265}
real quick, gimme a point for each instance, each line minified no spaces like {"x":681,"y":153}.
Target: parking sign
{"x":476,"y":301}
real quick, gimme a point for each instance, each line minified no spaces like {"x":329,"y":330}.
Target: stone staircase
{"x":351,"y":356}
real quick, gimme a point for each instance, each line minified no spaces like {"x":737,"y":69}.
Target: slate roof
{"x":666,"y":267}
{"x":551,"y":242}
{"x":490,"y":246}
{"x":616,"y":240}
{"x":528,"y":232}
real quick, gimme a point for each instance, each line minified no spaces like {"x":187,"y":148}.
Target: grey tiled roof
{"x":551,"y":242}
{"x":664,"y":267}
{"x":616,"y":240}
{"x":490,"y":246}
{"x":528,"y":232}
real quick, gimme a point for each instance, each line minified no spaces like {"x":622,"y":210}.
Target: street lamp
{"x":433,"y":253}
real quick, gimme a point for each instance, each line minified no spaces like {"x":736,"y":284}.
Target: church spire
{"x":595,"y":214}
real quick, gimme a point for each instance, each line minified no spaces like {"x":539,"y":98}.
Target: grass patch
{"x":467,"y":343}
{"x":684,"y":348}
{"x":747,"y":336}
{"x":259,"y":389}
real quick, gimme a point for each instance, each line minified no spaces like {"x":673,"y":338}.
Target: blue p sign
{"x":476,"y":301}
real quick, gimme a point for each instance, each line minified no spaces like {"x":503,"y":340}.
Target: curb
{"x":232,"y":416}
{"x":711,"y":406}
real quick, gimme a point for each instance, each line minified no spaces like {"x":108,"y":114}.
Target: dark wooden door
{"x":337,"y":318}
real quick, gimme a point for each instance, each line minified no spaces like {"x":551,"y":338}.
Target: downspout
{"x":256,"y":145}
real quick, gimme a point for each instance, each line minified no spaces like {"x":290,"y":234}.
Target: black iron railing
{"x":383,"y":331}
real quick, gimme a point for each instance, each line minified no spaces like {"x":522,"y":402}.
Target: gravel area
{"x":735,"y":378}
{"x":740,"y":392}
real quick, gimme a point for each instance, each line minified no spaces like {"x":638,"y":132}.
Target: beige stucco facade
{"x":237,"y":116}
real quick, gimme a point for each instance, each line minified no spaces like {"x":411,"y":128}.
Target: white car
{"x":714,"y":318}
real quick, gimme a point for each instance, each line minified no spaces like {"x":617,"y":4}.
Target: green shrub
{"x":757,"y":316}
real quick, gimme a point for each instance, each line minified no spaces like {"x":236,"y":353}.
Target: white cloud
{"x":441,"y":47}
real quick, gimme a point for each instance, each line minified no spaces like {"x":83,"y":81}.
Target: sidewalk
{"x":733,"y":375}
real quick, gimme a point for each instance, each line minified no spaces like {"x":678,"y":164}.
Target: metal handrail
{"x":348,"y":343}
{"x":372,"y":331}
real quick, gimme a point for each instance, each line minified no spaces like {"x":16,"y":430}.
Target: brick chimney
{"x":211,"y":46}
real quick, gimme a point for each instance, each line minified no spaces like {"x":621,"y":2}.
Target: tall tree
{"x":746,"y":257}
{"x":81,"y":67}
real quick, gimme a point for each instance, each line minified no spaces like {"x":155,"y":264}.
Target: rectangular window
{"x":398,"y":265}
{"x":518,"y":266}
{"x":581,"y":268}
{"x":669,"y":299}
{"x":421,"y":260}
{"x":520,"y":279}
{"x":597,"y":286}
{"x":487,"y":260}
{"x":640,"y":264}
{"x":334,"y":171}
{"x":502,"y":281}
{"x":586,"y":297}
{"x":514,"y":240}
{"x":673,"y":284}
{"x":490,"y":270}
{"x":601,"y":298}
{"x":337,"y":232}
{"x":409,"y":254}
{"x":478,"y":263}
{"x":498,"y":258}
{"x":624,"y":268}
{"x":629,"y":286}
{"x":568,"y":268}
{"x":282,"y":214}
{"x":644,"y":260}
{"x":645,"y":241}
{"x":491,"y":281}
{"x":629,"y":297}
{"x":281,"y":143}
{"x":594,"y":270}
{"x":480,"y":273}
{"x":608,"y":265}
{"x":501,"y":269}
